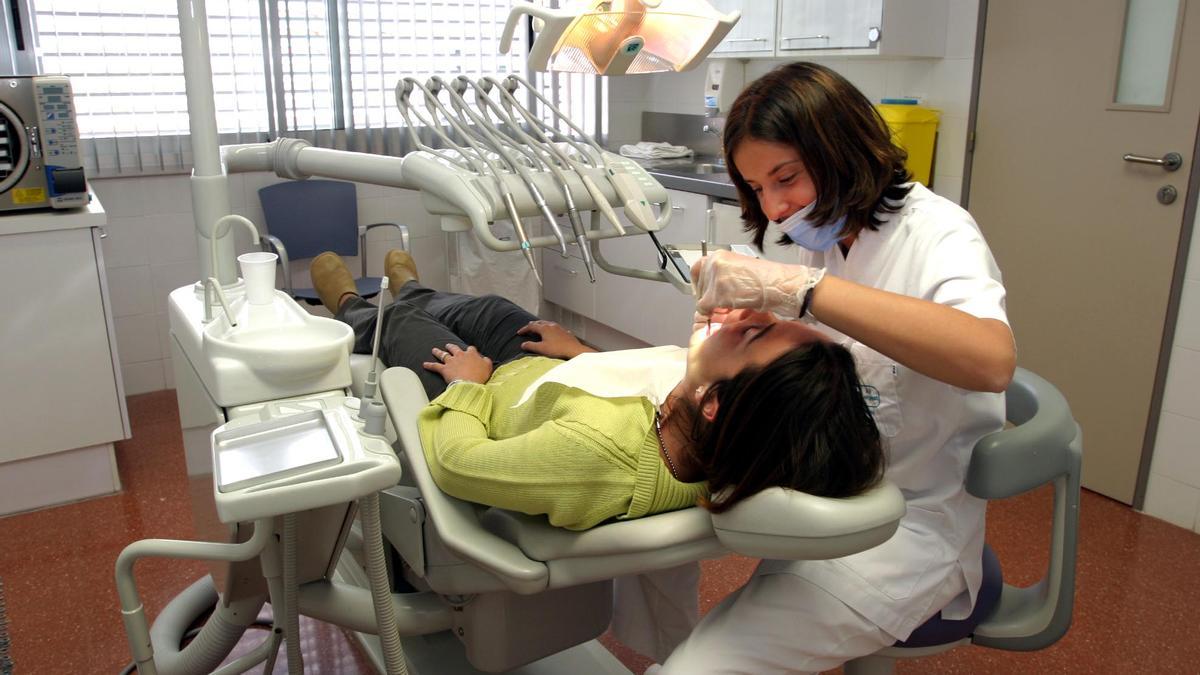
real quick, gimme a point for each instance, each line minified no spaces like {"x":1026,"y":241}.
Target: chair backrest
{"x":312,"y":216}
{"x":1044,"y":446}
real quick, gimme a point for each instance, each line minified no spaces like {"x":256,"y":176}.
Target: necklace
{"x":663,"y":445}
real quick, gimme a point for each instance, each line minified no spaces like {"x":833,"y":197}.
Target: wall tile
{"x":949,"y":187}
{"x":137,"y":338}
{"x":1176,"y":450}
{"x":430,"y":255}
{"x":951,"y":146}
{"x":121,"y":197}
{"x":870,"y":76}
{"x":129,"y":290}
{"x":171,"y":237}
{"x":126,"y":243}
{"x":168,"y":276}
{"x":1182,"y":392}
{"x":960,"y":29}
{"x":1172,"y":501}
{"x":140,"y":378}
{"x":1193,"y":267}
{"x":1187,"y":328}
{"x":950,"y":86}
{"x":914,"y":79}
{"x":167,"y":194}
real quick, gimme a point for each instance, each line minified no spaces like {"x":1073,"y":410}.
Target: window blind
{"x":322,"y":70}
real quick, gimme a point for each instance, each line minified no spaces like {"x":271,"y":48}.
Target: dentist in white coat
{"x":904,"y":279}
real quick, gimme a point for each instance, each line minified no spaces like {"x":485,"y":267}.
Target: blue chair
{"x":306,"y":218}
{"x":1044,"y":445}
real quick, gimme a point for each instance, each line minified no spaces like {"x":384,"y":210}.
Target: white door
{"x":1067,"y":89}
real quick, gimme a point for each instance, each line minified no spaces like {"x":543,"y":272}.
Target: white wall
{"x":1173,"y":493}
{"x":151,"y":250}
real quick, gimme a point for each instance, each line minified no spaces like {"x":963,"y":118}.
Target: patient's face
{"x":746,"y":338}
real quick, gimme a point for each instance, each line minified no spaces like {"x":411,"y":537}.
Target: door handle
{"x":1169,"y":162}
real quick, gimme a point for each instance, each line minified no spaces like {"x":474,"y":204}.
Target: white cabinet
{"x":64,"y":403}
{"x":882,"y":27}
{"x":798,"y":28}
{"x":653,"y":312}
{"x":754,"y":33}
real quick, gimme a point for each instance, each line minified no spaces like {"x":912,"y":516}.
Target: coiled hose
{"x":381,"y":594}
{"x":291,"y":602}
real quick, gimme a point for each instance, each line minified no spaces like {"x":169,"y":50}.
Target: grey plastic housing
{"x":1044,"y":446}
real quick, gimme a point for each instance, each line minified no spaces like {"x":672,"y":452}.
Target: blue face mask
{"x":812,"y":237}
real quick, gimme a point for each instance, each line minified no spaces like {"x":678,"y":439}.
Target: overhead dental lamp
{"x":621,"y":37}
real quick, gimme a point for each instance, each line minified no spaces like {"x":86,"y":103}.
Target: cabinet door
{"x":565,"y":281}
{"x":57,"y":376}
{"x":827,"y":24}
{"x":651,"y":311}
{"x":754,"y":33}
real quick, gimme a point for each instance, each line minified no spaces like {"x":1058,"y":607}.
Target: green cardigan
{"x":578,"y":458}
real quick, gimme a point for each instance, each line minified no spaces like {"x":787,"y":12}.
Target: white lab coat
{"x":931,"y":249}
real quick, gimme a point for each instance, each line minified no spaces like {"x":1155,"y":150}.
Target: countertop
{"x":701,"y":174}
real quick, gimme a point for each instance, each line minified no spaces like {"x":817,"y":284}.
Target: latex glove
{"x":726,"y":279}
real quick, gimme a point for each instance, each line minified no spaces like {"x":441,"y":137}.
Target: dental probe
{"x":485,"y":102}
{"x":369,"y":387}
{"x":487,"y":135}
{"x":704,"y":254}
{"x":506,"y":195}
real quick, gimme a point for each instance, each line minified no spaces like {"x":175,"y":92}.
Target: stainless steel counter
{"x":700,"y":174}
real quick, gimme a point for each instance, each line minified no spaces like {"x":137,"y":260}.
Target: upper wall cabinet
{"x":797,"y":28}
{"x":754,"y":34}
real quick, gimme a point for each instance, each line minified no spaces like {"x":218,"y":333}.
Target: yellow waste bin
{"x":914,"y":128}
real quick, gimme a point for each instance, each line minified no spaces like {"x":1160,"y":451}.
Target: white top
{"x":651,"y":372}
{"x":931,"y":249}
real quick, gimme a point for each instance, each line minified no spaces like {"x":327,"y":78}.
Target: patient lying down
{"x":525,"y":417}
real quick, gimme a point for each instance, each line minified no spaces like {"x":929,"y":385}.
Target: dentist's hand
{"x":553,"y":340}
{"x":726,"y":279}
{"x":455,"y":363}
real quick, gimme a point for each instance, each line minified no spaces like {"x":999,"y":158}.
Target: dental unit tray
{"x":295,"y":463}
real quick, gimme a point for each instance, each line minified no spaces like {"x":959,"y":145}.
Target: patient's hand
{"x":455,"y":363}
{"x":554,"y":340}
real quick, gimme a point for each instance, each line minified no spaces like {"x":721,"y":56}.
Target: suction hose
{"x":381,"y":594}
{"x":291,"y":603}
{"x":215,"y":640}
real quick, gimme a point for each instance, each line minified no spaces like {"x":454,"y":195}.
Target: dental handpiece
{"x":369,"y":387}
{"x":704,"y":253}
{"x":481,"y":154}
{"x":482,"y":128}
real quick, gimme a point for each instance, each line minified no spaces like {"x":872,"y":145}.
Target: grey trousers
{"x":420,"y":319}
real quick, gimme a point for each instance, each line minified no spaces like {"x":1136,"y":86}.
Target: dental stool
{"x":1044,"y":445}
{"x":522,"y":589}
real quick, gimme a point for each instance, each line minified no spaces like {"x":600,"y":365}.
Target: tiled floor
{"x":1135,"y":612}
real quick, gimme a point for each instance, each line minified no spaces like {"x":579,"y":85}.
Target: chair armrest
{"x":784,"y":524}
{"x":273,"y":242}
{"x":1032,"y":453}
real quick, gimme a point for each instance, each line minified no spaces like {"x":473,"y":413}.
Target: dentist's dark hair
{"x":799,"y":422}
{"x":839,"y":135}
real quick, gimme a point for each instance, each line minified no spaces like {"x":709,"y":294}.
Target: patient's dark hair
{"x":799,"y":422}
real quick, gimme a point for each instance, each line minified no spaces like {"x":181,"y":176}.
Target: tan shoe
{"x":400,"y":268}
{"x":331,"y":279}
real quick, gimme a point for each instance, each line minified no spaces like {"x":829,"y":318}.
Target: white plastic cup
{"x":258,"y":270}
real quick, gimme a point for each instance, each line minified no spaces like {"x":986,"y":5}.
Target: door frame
{"x":1177,"y":276}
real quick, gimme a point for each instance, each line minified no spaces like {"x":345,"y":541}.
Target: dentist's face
{"x":746,"y":338}
{"x":777,"y":176}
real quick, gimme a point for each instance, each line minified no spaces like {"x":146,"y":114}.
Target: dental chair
{"x":1044,"y":445}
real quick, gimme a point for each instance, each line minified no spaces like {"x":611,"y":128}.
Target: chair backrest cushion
{"x":312,"y":216}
